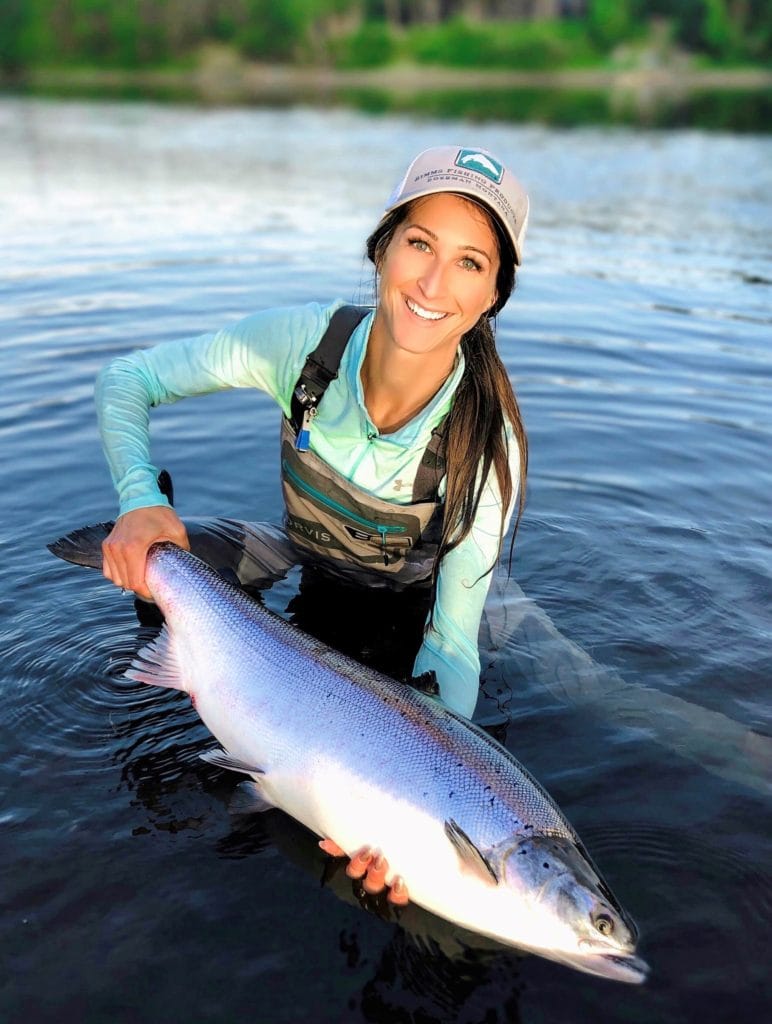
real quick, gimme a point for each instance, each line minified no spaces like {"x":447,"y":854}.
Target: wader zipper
{"x":312,"y":492}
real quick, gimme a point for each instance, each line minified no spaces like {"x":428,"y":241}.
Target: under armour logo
{"x":398,"y":485}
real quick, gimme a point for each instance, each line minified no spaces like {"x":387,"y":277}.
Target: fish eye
{"x":604,"y":924}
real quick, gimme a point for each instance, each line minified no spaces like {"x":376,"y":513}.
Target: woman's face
{"x":438,"y":275}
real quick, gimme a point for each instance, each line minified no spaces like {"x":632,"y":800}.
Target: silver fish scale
{"x":406,"y":741}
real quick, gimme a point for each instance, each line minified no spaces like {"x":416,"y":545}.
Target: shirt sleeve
{"x":264,"y":351}
{"x":450,"y":644}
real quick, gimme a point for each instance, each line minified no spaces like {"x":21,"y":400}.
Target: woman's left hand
{"x":372,"y":867}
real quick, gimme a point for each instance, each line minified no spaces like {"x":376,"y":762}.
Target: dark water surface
{"x":635,"y":672}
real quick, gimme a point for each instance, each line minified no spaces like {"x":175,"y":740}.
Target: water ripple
{"x":634,"y":672}
{"x":682,"y":860}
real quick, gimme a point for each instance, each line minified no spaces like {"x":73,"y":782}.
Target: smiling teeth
{"x":425,"y":314}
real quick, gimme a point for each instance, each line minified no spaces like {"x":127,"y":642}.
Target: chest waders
{"x":346,"y":529}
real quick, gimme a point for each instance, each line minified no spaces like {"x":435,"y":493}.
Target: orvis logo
{"x":309,"y":530}
{"x":474,"y":160}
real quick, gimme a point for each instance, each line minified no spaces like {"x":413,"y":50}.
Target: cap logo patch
{"x":482,"y":163}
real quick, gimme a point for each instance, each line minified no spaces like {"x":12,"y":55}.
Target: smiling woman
{"x":446,"y":264}
{"x":437,"y":278}
{"x":403,"y":450}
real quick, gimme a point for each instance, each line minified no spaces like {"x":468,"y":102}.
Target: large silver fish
{"x":364,"y":760}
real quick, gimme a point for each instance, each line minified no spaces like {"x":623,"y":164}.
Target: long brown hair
{"x":483,"y":406}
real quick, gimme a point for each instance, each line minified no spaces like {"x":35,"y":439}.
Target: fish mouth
{"x":633,"y":969}
{"x":616,"y":966}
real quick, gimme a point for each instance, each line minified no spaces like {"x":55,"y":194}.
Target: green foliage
{"x":271,"y":31}
{"x":286,"y":31}
{"x":95,"y":32}
{"x":719,"y":32}
{"x":372,"y":45}
{"x":726,"y":30}
{"x":37,"y":35}
{"x":137,"y":33}
{"x":125,"y":33}
{"x":225,"y":26}
{"x":609,"y":22}
{"x":526,"y":45}
{"x":11,"y":33}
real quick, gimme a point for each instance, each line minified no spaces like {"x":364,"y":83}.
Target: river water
{"x":630,"y":649}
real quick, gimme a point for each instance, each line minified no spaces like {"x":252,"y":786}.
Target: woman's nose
{"x":432,"y":281}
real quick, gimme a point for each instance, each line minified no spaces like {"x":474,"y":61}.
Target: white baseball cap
{"x":475,"y":173}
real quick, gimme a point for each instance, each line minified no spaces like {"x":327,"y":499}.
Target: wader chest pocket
{"x":320,"y":512}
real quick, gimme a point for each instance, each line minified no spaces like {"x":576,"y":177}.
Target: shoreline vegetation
{"x":661,"y":96}
{"x":681,"y":62}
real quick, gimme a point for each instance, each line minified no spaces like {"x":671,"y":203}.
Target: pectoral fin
{"x":222,"y":759}
{"x":156,"y":663}
{"x":468,"y":853}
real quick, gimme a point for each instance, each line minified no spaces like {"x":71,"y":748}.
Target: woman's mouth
{"x":424,"y":314}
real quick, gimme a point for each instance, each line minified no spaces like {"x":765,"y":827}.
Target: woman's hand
{"x":124,"y":552}
{"x":372,"y":867}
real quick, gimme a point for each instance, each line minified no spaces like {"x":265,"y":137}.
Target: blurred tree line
{"x":363,"y":33}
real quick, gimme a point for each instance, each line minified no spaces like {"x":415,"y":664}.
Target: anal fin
{"x":248,"y":798}
{"x":222,"y":759}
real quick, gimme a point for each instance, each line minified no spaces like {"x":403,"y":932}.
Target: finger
{"x":398,"y":892}
{"x":114,"y":565}
{"x":108,"y":565}
{"x":375,"y":879}
{"x":332,"y":848}
{"x":119,"y":573}
{"x":359,"y":863}
{"x":136,"y":572}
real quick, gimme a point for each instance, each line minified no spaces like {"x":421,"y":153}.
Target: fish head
{"x":579,"y":921}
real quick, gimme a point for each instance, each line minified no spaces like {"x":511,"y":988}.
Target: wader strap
{"x":321,"y":365}
{"x":431,"y":468}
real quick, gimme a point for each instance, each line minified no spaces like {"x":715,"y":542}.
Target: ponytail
{"x":483,"y":416}
{"x":484,"y":412}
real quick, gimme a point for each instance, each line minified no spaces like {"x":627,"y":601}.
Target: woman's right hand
{"x":124,"y":552}
{"x":372,"y":867}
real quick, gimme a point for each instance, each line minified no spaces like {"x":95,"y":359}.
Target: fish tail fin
{"x":83,"y":546}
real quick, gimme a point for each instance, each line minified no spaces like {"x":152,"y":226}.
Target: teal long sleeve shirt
{"x":267,"y":351}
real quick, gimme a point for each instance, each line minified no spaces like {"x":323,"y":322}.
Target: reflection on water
{"x":519,"y":641}
{"x":735,"y":110}
{"x":631,"y":648}
{"x":651,"y":101}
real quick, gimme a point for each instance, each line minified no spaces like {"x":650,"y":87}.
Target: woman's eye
{"x":419,"y":243}
{"x":469,"y":264}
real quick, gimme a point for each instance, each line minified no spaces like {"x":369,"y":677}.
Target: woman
{"x":402,"y":457}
